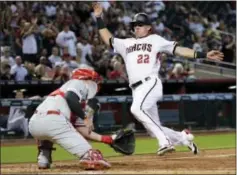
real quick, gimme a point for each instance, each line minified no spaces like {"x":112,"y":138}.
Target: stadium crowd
{"x":47,"y":40}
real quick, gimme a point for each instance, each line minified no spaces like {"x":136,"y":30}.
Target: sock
{"x":106,"y":139}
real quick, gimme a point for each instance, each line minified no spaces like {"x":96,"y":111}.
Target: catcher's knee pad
{"x":45,"y":148}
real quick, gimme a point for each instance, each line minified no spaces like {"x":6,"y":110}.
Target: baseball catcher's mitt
{"x":124,"y":141}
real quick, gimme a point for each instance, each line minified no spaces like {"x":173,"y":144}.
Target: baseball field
{"x":217,"y":156}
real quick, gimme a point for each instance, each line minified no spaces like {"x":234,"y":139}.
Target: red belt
{"x":50,"y":112}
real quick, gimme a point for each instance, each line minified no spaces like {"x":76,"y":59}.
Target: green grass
{"x":20,"y":154}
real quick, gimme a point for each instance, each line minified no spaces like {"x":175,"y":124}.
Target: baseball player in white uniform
{"x":141,"y":55}
{"x":55,"y":119}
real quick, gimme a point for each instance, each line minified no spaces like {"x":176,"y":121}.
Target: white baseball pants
{"x":144,"y":108}
{"x":58,"y":129}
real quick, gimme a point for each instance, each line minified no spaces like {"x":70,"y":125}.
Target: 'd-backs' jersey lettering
{"x":142,"y":56}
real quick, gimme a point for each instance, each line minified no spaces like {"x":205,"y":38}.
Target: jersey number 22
{"x":143,"y":59}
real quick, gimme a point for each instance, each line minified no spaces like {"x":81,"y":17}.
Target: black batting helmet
{"x":140,"y":19}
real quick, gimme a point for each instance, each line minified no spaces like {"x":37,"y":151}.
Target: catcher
{"x":54,"y":119}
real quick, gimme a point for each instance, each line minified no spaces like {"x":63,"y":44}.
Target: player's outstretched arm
{"x":107,"y":139}
{"x":103,"y":31}
{"x":190,"y":53}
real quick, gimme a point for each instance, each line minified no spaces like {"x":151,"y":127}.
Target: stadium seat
{"x":106,"y":123}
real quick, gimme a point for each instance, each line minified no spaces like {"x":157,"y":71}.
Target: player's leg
{"x":144,"y":98}
{"x":74,"y":143}
{"x":57,"y":129}
{"x":184,"y":138}
{"x":44,"y":157}
{"x":38,"y":129}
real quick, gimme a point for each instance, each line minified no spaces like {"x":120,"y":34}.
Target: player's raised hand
{"x":215,"y":55}
{"x":97,"y":9}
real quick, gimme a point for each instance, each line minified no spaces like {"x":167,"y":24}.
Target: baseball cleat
{"x":191,"y":145}
{"x":45,"y":149}
{"x":44,"y":159}
{"x":94,"y":165}
{"x":43,"y":165}
{"x":165,"y":149}
{"x":93,"y":160}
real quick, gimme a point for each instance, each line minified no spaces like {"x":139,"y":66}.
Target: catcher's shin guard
{"x":44,"y":157}
{"x":93,"y":160}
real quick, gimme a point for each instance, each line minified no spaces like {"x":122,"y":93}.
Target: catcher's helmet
{"x":140,"y":19}
{"x":86,"y":74}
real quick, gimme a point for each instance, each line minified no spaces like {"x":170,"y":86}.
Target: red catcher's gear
{"x":86,"y":74}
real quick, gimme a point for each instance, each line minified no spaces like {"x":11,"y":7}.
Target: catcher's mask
{"x":86,"y":74}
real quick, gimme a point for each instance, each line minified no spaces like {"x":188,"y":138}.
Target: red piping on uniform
{"x":73,"y":118}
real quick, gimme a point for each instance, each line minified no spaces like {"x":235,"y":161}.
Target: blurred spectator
{"x":228,"y":47}
{"x":79,"y":54}
{"x":86,"y":49}
{"x":181,"y":72}
{"x":124,"y":18}
{"x":6,"y":56}
{"x":67,"y":38}
{"x":71,"y":64}
{"x":31,"y":71}
{"x":178,"y":72}
{"x":214,"y":23}
{"x":160,"y":28}
{"x":18,"y":70}
{"x":103,"y":67}
{"x":105,"y":4}
{"x":42,"y":71}
{"x":197,"y":46}
{"x":29,"y":46}
{"x":119,"y":71}
{"x":166,"y":66}
{"x":50,"y":9}
{"x":54,"y":57}
{"x":49,"y":34}
{"x":5,"y":72}
{"x":44,"y":53}
{"x":57,"y":70}
{"x":195,"y":25}
{"x":64,"y":74}
{"x":18,"y":41}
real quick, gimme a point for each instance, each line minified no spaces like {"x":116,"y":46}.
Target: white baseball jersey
{"x":85,"y":89}
{"x":142,"y":55}
{"x":67,"y":39}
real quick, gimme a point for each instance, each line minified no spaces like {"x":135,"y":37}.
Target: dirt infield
{"x":222,"y":161}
